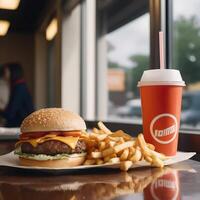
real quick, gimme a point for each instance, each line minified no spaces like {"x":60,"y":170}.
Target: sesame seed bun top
{"x":52,"y":119}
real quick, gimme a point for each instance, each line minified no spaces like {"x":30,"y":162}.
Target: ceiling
{"x":119,"y":12}
{"x":27,"y":17}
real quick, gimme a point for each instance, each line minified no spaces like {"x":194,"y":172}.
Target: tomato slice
{"x":34,"y":135}
{"x":70,"y":133}
{"x":26,"y":136}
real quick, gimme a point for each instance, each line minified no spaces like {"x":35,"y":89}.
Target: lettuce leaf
{"x":47,"y":157}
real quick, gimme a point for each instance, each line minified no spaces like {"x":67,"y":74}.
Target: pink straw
{"x":161,"y":46}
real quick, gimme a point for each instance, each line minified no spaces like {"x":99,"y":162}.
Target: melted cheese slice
{"x":69,"y":140}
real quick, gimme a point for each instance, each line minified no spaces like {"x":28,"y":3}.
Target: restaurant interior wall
{"x":40,"y":83}
{"x":71,"y":60}
{"x":48,"y":84}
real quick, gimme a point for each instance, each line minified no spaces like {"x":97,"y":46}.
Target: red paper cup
{"x":161,"y":108}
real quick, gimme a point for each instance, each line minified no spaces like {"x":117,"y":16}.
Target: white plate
{"x":11,"y":160}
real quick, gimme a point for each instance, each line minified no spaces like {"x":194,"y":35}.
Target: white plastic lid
{"x":161,"y":77}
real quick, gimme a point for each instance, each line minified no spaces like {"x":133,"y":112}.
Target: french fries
{"x":107,"y":158}
{"x":99,"y":162}
{"x":126,"y":165}
{"x":137,"y":155}
{"x":151,"y":146}
{"x":114,"y":160}
{"x":89,"y":162}
{"x":123,"y":146}
{"x":96,"y":154}
{"x":105,"y":146}
{"x":124,"y":155}
{"x":98,"y":137}
{"x":108,"y":152}
{"x":102,"y":146}
{"x":104,"y":128}
{"x":121,"y":133}
{"x":131,"y":152}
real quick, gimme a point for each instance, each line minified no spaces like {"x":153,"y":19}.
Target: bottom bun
{"x":62,"y":163}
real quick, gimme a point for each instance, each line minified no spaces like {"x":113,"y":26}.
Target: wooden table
{"x":181,"y":181}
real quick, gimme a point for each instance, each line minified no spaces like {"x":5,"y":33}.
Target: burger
{"x":51,"y":138}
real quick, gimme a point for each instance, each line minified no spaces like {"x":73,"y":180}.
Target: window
{"x":186,"y":57}
{"x":124,"y":31}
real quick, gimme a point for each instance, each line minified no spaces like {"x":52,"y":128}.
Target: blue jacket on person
{"x":19,"y":106}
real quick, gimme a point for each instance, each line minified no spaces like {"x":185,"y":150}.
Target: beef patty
{"x":52,"y":147}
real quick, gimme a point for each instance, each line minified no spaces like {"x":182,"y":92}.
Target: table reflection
{"x":154,"y":183}
{"x":165,"y":187}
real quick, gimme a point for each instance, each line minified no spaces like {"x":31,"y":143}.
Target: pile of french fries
{"x":105,"y":146}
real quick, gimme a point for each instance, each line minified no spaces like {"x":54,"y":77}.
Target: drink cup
{"x":165,"y":187}
{"x":161,"y":96}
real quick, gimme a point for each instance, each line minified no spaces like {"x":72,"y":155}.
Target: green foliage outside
{"x":141,"y":64}
{"x":187,"y":48}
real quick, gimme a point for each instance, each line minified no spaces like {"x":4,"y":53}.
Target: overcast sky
{"x":133,"y":38}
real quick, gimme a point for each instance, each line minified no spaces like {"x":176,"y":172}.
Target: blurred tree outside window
{"x":186,"y":57}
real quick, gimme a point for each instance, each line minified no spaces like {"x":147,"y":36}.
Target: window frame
{"x":155,"y":27}
{"x":160,"y":19}
{"x":88,"y":59}
{"x":91,"y":107}
{"x":168,"y":16}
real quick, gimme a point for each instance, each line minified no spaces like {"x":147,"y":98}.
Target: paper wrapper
{"x":11,"y":160}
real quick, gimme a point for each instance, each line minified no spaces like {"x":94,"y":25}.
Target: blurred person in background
{"x":20,"y":102}
{"x":4,"y":95}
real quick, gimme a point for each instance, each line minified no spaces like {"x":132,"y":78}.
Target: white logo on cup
{"x":158,"y":134}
